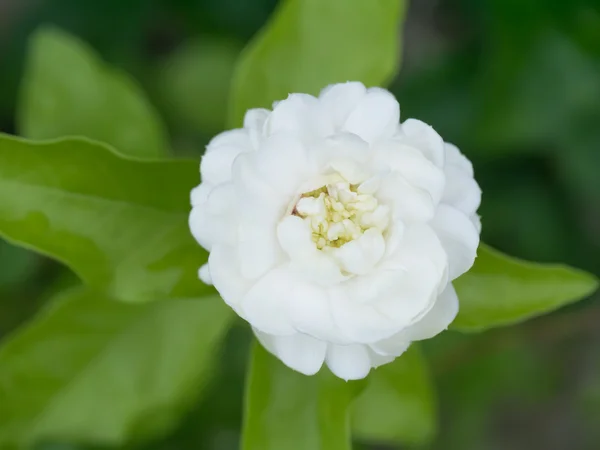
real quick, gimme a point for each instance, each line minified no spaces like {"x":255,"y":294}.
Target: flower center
{"x":339,"y":213}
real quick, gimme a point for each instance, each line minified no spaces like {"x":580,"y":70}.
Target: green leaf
{"x":193,"y":84}
{"x":500,"y":290}
{"x":398,"y":404}
{"x":89,"y":369}
{"x":67,"y":90}
{"x":309,"y":44}
{"x":289,"y":410}
{"x":119,"y":223}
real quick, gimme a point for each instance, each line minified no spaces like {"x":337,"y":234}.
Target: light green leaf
{"x":119,"y":223}
{"x":398,"y":404}
{"x":501,"y":290}
{"x":67,"y":90}
{"x":291,"y":411}
{"x":309,"y":44}
{"x":89,"y":369}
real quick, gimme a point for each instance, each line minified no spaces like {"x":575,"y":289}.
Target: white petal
{"x":254,"y":122}
{"x":349,"y":362}
{"x":216,"y":165}
{"x":437,"y":319}
{"x":204,"y":274}
{"x":379,"y":360}
{"x":238,"y":137}
{"x":414,"y":167}
{"x":455,"y":158}
{"x":258,"y":249}
{"x":375,"y":116}
{"x":341,"y":146}
{"x":200,"y":193}
{"x":300,"y":114}
{"x":462,"y":191}
{"x":360,"y":255}
{"x":254,"y":198}
{"x":407,"y":202}
{"x":340,"y":99}
{"x":393,"y":346}
{"x":298,"y":351}
{"x":226,"y":278}
{"x":422,"y":136}
{"x":311,"y":264}
{"x":282,"y":162}
{"x":459,"y":238}
{"x":213,"y":221}
{"x":294,"y":236}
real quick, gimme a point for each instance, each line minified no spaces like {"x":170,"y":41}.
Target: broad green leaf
{"x":193,"y":84}
{"x":309,"y":44}
{"x":398,"y":404}
{"x":89,"y":369}
{"x":119,"y":223}
{"x":67,"y":90}
{"x":288,"y":410}
{"x":500,"y":290}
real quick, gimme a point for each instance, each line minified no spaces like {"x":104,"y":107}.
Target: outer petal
{"x":422,"y":136}
{"x":265,"y":305}
{"x":462,"y":191}
{"x":238,"y":137}
{"x":375,"y":116}
{"x":297,"y":351}
{"x":437,"y":319}
{"x":412,"y":165}
{"x":216,"y":165}
{"x":459,"y":238}
{"x":340,"y":99}
{"x":349,"y":362}
{"x":226,"y":277}
{"x":254,"y":122}
{"x":407,"y":202}
{"x":300,"y":114}
{"x":398,"y":293}
{"x":214,"y":220}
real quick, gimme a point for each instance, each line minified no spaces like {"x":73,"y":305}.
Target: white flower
{"x":336,"y":231}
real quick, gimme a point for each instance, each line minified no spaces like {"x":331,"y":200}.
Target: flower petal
{"x":282,"y":162}
{"x":298,"y":351}
{"x":407,"y":202}
{"x":216,"y":165}
{"x":349,"y":362}
{"x":459,"y":238}
{"x":302,"y":115}
{"x":360,"y":255}
{"x":254,"y":122}
{"x":375,"y":116}
{"x":414,"y":167}
{"x":340,"y":99}
{"x":462,"y":191}
{"x":422,"y":136}
{"x":437,"y":319}
{"x":226,"y":277}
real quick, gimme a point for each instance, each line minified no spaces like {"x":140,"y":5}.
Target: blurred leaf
{"x":398,"y":404}
{"x":16,"y":264}
{"x":67,"y":90}
{"x":118,"y":223}
{"x":309,"y":44}
{"x":500,"y":290}
{"x":288,"y":410}
{"x":93,"y":370}
{"x":194,"y":84}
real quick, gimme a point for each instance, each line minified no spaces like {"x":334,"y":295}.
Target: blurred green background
{"x":514,"y":83}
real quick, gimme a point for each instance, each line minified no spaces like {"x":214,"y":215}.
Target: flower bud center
{"x":338,"y":213}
